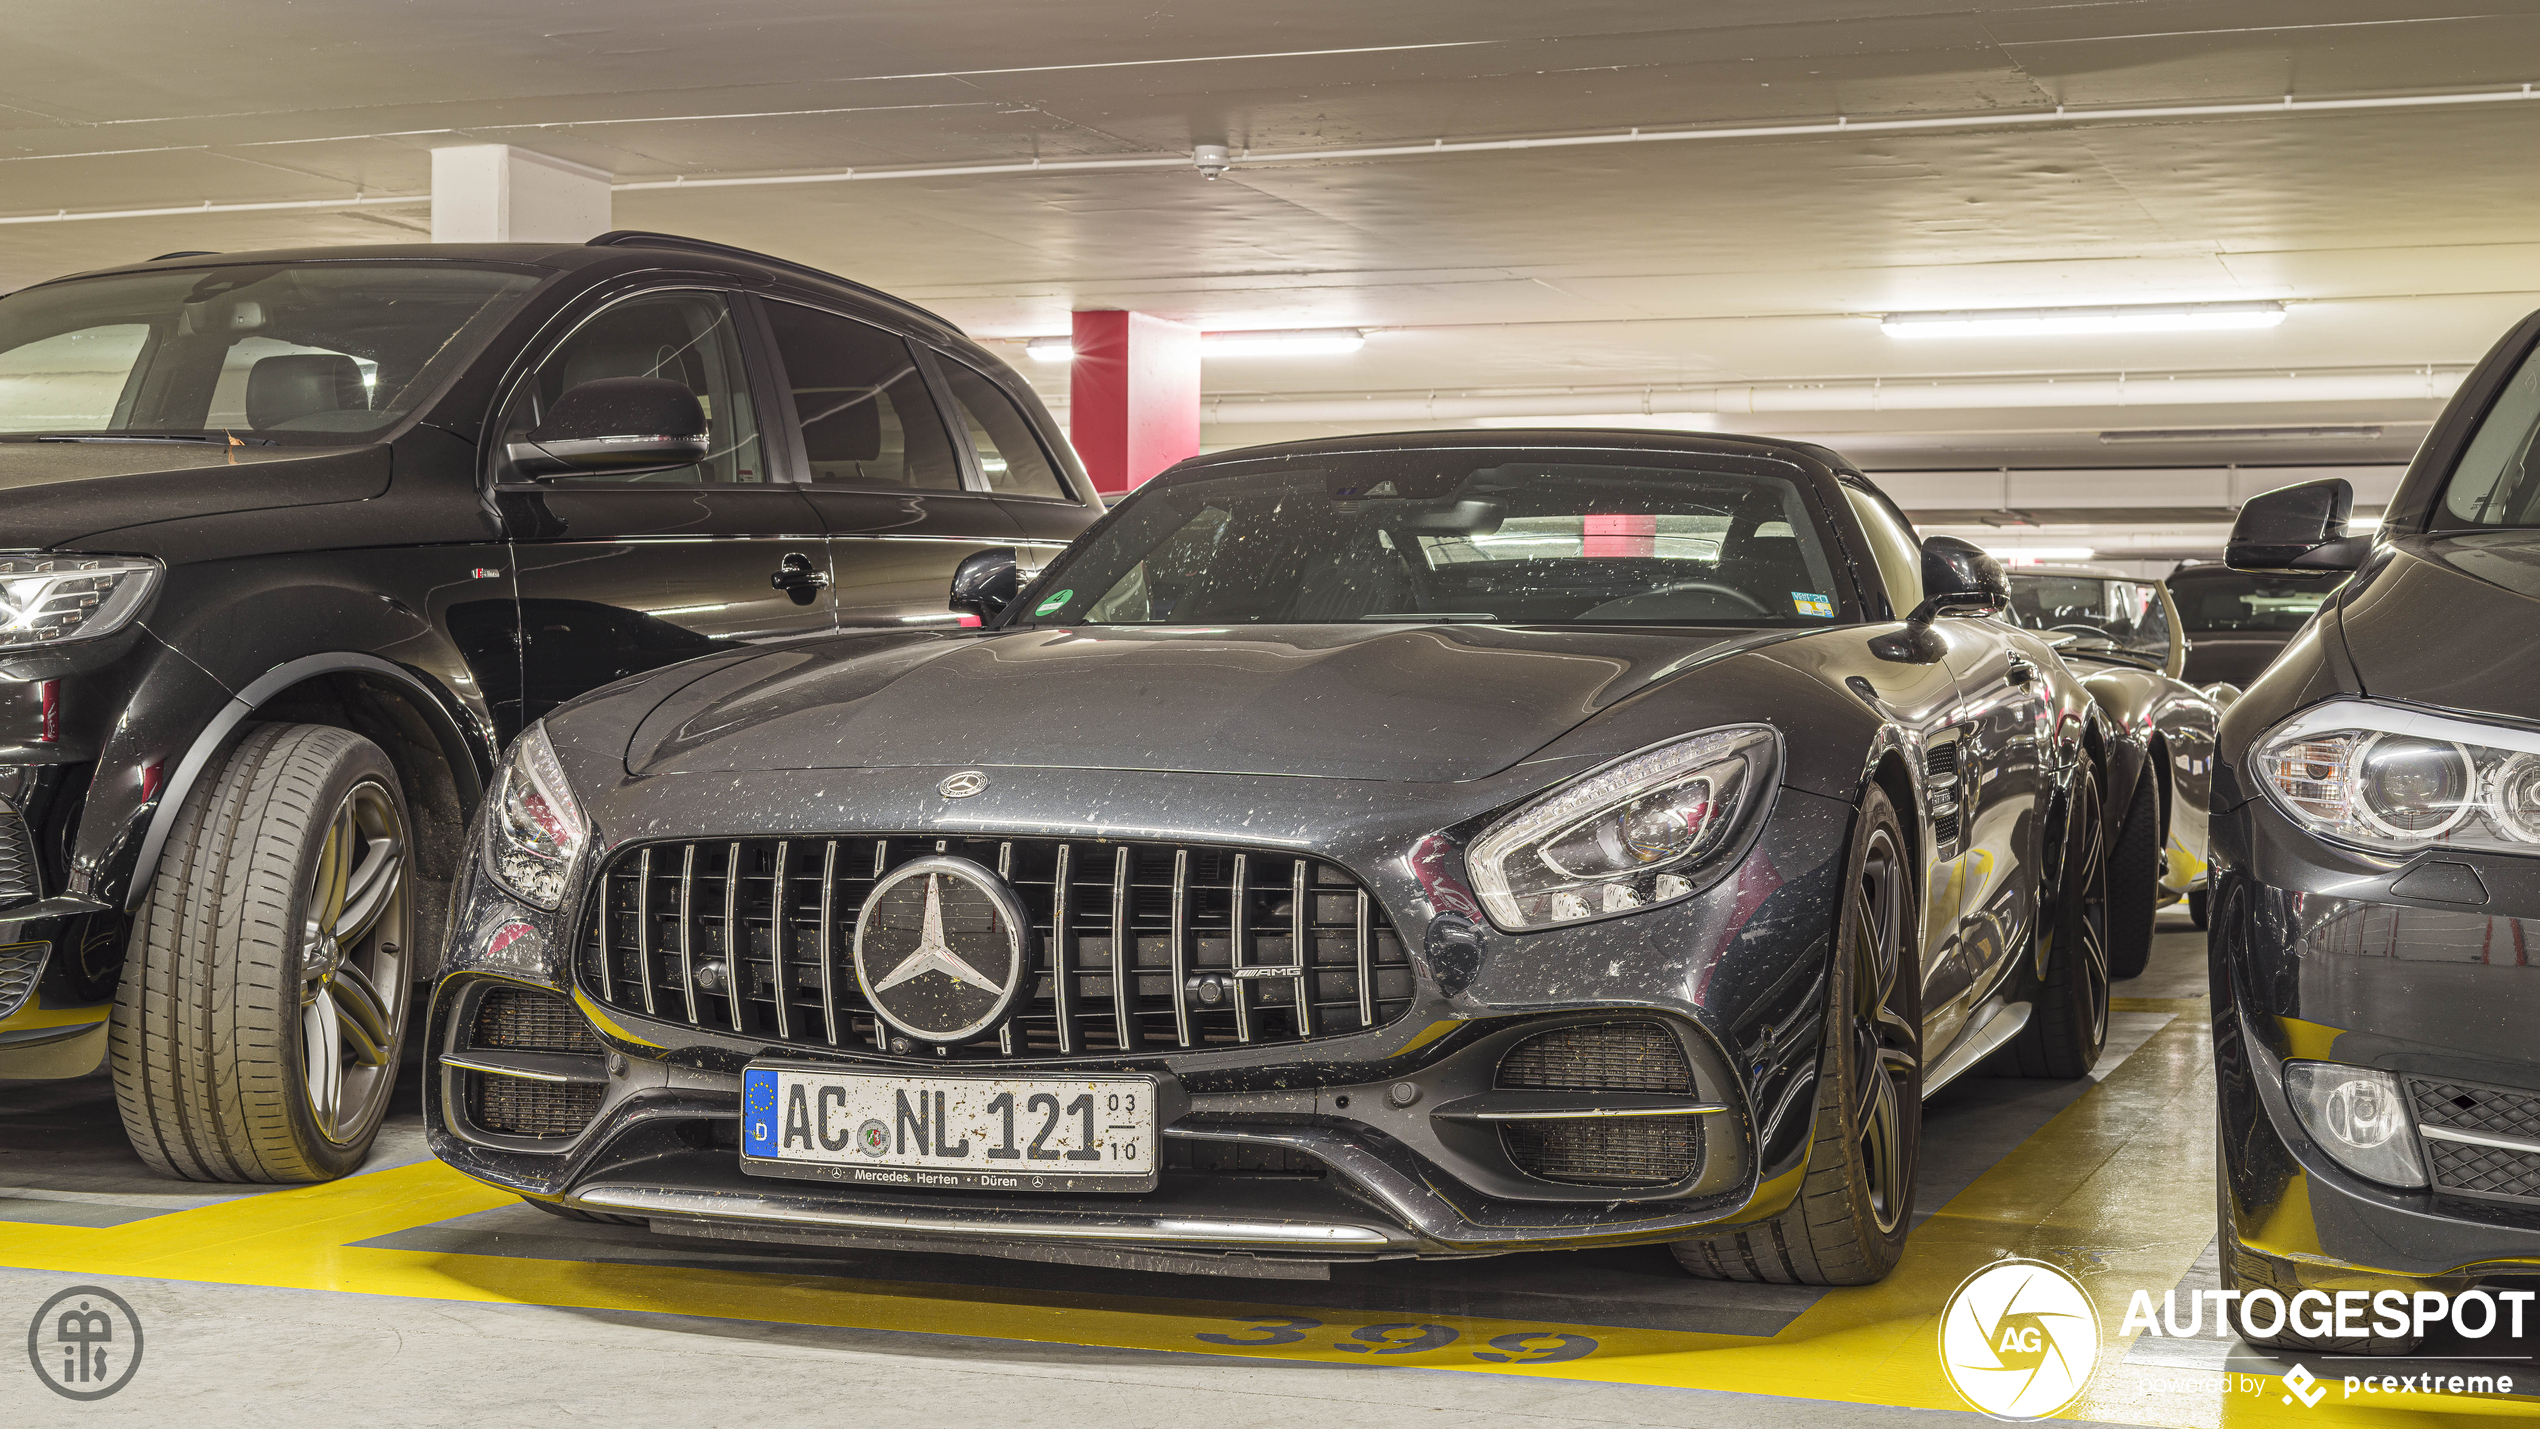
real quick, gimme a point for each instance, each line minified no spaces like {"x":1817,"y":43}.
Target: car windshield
{"x":2105,"y":616}
{"x":2227,"y":601}
{"x":289,"y":353}
{"x":1499,"y":536}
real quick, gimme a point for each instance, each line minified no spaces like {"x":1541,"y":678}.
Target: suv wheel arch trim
{"x":465,"y":764}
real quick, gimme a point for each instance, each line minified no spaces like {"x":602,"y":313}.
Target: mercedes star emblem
{"x":943,"y":949}
{"x":963,"y":784}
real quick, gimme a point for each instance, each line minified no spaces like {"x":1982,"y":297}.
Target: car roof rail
{"x":640,"y":238}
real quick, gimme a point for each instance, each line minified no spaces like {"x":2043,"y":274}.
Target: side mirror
{"x":2297,"y":528}
{"x":615,"y":426}
{"x":986,"y":582}
{"x":1959,"y":576}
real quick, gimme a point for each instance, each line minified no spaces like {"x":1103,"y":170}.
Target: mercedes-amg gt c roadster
{"x":1425,"y":845}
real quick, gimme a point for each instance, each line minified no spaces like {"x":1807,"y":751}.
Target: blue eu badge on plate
{"x":758,"y":1111}
{"x":1808,"y":602}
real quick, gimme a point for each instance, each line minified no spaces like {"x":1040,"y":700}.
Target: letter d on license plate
{"x":970,"y":1133}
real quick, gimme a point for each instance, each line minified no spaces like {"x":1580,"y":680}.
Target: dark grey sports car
{"x":1439,"y":844}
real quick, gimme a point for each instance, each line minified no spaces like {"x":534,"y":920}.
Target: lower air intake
{"x":518,"y":1019}
{"x":517,"y":1106}
{"x":1603,"y":1151}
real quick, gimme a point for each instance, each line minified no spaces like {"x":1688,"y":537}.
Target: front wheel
{"x":2198,"y":902}
{"x":1847,"y":1226}
{"x":263,"y":1000}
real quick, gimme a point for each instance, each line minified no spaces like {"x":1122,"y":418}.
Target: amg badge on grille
{"x":943,"y":948}
{"x":963,"y":784}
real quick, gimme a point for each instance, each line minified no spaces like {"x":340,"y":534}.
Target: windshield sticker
{"x":1811,"y":603}
{"x":1053,"y":603}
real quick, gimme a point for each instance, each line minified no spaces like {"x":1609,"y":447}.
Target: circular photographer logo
{"x":2019,"y":1339}
{"x":85,"y":1343}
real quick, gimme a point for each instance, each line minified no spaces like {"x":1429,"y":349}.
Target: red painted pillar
{"x":1132,"y":396}
{"x":1619,"y":536}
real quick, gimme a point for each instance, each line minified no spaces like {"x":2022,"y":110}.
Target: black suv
{"x":293,"y":542}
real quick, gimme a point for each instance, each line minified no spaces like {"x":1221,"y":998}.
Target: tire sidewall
{"x":1839,"y":1077}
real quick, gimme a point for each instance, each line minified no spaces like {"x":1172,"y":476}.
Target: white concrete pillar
{"x":494,"y":193}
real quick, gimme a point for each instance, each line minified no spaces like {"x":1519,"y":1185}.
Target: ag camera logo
{"x":2019,"y":1339}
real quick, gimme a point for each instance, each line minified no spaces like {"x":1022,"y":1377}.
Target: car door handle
{"x":797,"y":577}
{"x":2022,"y":671}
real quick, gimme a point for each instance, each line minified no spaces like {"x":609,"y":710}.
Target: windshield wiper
{"x":1432,"y":617}
{"x":217,"y":439}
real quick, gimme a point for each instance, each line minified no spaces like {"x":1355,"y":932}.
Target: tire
{"x":2134,"y":881}
{"x":261,"y":1014}
{"x":576,"y":1213}
{"x":2199,"y":907}
{"x":2068,"y":1017}
{"x":1848,"y":1224}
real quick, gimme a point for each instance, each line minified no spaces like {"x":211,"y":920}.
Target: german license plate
{"x":967,"y":1133}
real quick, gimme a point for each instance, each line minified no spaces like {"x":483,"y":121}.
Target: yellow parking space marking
{"x":2117,"y":1188}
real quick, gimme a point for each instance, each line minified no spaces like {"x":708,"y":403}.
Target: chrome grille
{"x":1202,"y":938}
{"x":18,"y":880}
{"x":1604,"y":1151}
{"x":20,"y":965}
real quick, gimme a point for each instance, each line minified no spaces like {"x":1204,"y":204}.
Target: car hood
{"x":2451,"y":621}
{"x":1429,"y":703}
{"x":52,"y":493}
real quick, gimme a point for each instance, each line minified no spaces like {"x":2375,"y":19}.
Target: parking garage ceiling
{"x":2399,"y":237}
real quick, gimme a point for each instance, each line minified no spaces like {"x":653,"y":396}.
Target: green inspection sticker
{"x":1053,"y":603}
{"x":1810,"y":603}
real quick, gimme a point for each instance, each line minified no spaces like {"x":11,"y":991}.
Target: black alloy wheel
{"x":2068,"y":1014}
{"x":1847,"y":1224}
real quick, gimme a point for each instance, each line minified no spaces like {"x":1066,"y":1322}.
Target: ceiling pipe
{"x":1244,"y":159}
{"x":2418,"y":385}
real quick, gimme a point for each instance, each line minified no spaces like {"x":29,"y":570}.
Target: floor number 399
{"x":1520,"y":1347}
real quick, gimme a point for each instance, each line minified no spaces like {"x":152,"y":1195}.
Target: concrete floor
{"x":408,"y":1295}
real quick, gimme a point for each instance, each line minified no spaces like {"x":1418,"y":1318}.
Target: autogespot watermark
{"x":2018,"y":1339}
{"x":85,"y":1343}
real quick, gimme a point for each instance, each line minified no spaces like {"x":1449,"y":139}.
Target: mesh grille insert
{"x":2480,"y":1170}
{"x":1136,"y":945}
{"x":20,"y":965}
{"x":517,"y":1106}
{"x":1602,"y":1057}
{"x":18,"y":882}
{"x":1604,"y":1151}
{"x":516,"y":1018}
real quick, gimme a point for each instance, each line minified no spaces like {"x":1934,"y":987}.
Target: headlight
{"x":2396,"y":780}
{"x":537,"y":830}
{"x":2359,"y":1116}
{"x":1632,"y":835}
{"x":52,"y":600}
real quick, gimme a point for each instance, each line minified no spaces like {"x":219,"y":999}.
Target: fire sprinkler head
{"x":1212,"y":159}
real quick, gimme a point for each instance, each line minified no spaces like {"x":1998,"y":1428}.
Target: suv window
{"x":313,"y":353}
{"x":686,"y":336}
{"x":867,"y":417}
{"x":1009,"y":454}
{"x":2104,"y":617}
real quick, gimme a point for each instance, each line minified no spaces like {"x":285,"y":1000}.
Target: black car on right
{"x":2376,"y":852}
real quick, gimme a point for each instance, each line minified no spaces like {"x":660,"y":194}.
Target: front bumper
{"x":1325,"y":1149}
{"x":2315,"y":956}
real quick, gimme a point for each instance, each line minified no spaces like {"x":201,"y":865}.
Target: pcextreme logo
{"x":2018,"y":1340}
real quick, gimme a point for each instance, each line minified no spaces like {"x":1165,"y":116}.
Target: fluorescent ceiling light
{"x":2044,"y":322}
{"x":1289,"y":342}
{"x":2243,"y":434}
{"x":2038,"y":555}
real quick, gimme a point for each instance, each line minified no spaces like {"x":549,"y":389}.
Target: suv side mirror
{"x":1959,"y":576}
{"x":2297,"y":528}
{"x":615,"y":426}
{"x":986,"y":582}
